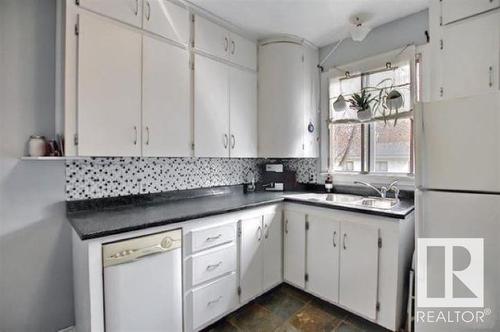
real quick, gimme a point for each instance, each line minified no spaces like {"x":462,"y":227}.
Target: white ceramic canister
{"x":37,"y":146}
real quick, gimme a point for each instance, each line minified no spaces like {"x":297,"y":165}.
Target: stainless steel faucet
{"x":382,"y":192}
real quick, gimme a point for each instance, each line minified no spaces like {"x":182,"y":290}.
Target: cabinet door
{"x":272,"y":253}
{"x":128,"y":11}
{"x":167,"y":20}
{"x":243,"y":51}
{"x":453,"y":10}
{"x":281,"y":101}
{"x":295,"y":248}
{"x":211,"y":108}
{"x":470,"y":56}
{"x":323,"y":257}
{"x":109,"y":88}
{"x":251,"y":258}
{"x":243,"y":113}
{"x":166,"y":113}
{"x":311,"y":107}
{"x":359,"y":268}
{"x":210,"y":38}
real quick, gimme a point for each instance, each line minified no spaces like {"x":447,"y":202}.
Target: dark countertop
{"x":98,"y":218}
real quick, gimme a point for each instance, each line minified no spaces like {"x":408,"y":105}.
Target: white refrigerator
{"x":458,"y":196}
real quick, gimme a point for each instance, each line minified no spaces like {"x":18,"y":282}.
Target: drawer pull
{"x":213,"y":238}
{"x":213,"y":266}
{"x":214,"y":301}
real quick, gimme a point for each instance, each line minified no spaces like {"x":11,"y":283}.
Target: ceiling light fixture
{"x":359,"y":31}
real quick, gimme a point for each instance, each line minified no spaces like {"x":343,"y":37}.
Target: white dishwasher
{"x":143,"y":283}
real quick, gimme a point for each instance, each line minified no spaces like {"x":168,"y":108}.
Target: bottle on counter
{"x":328,"y":183}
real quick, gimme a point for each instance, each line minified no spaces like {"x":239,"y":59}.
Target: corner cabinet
{"x":356,"y":261}
{"x":288,"y":100}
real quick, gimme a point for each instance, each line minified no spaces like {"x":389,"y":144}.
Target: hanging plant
{"x":361,"y":103}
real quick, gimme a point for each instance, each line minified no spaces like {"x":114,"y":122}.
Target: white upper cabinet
{"x":453,"y":10}
{"x":242,"y":51}
{"x":295,"y":248}
{"x":311,"y":106}
{"x":211,"y":108}
{"x":210,"y":37}
{"x":470,"y":56}
{"x":323,"y":244}
{"x":281,"y":100}
{"x":215,"y":40}
{"x":109,"y":88}
{"x":243,"y":113}
{"x":166,"y":111}
{"x":167,"y":20}
{"x":128,"y":11}
{"x":359,"y":268}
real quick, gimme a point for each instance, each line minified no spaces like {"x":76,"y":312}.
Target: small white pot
{"x":340,"y":104}
{"x":394,"y":100}
{"x":365,"y":115}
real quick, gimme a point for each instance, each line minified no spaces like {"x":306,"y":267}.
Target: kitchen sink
{"x":352,"y":200}
{"x":378,"y":202}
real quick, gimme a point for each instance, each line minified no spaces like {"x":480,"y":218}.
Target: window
{"x":382,"y":145}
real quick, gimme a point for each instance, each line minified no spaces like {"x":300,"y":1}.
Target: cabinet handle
{"x":259,"y":231}
{"x":213,"y":266}
{"x":214,"y":301}
{"x":213,"y":238}
{"x":266,"y":232}
{"x":345,"y":237}
{"x":135,"y":131}
{"x":491,"y":76}
{"x":233,"y":141}
{"x":233,"y":46}
{"x":226,"y":141}
{"x":334,"y":236}
{"x":136,"y":7}
{"x":148,"y":11}
{"x":147,"y":135}
{"x":226,"y":44}
{"x":286,"y":226}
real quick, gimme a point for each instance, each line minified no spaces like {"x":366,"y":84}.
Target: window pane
{"x":392,"y":146}
{"x":345,"y":147}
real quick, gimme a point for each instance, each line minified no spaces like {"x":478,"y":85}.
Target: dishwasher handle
{"x":131,"y":250}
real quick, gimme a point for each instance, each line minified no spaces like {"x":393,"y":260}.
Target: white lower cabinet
{"x":295,"y":248}
{"x":260,"y":254}
{"x":359,"y":268}
{"x":323,"y":255}
{"x":213,"y":300}
{"x":356,"y":261}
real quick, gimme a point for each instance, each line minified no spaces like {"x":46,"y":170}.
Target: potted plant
{"x":361,"y":103}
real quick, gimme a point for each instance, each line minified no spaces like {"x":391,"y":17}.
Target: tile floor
{"x":286,"y":308}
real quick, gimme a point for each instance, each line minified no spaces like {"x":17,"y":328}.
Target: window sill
{"x":406,"y":182}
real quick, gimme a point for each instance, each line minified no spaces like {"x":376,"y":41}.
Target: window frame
{"x":368,"y":171}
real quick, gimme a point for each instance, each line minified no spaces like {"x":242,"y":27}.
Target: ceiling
{"x":318,"y":21}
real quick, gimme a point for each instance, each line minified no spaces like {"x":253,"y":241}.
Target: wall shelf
{"x":48,"y":158}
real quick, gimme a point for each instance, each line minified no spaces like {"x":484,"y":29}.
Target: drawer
{"x":214,"y":300}
{"x":210,"y":237}
{"x":206,"y":266}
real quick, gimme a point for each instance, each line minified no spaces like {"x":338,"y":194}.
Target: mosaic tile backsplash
{"x":111,"y":177}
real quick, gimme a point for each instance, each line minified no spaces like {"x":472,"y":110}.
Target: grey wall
{"x":387,"y":37}
{"x":36,"y":292}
